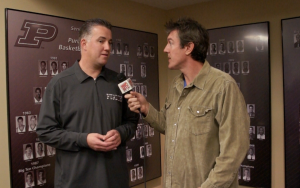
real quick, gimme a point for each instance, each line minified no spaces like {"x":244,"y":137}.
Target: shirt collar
{"x":81,"y":75}
{"x":200,"y":79}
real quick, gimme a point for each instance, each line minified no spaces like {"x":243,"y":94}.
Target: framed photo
{"x":290,"y":28}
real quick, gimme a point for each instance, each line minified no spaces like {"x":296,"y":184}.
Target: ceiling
{"x":169,"y":4}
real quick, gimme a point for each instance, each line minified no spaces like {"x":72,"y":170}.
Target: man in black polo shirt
{"x":85,"y":117}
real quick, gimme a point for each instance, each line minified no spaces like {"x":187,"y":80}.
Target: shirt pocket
{"x":199,"y":120}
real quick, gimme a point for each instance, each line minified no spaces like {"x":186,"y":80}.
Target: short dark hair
{"x":190,"y":30}
{"x":20,"y":118}
{"x":88,"y":24}
{"x":28,"y":146}
{"x":43,"y":62}
{"x":53,"y":62}
{"x":38,"y":89}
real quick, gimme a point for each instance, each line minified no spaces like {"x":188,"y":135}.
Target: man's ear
{"x":83,"y":42}
{"x":189,"y":48}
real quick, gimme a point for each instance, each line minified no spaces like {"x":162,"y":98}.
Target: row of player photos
{"x":142,"y":152}
{"x":136,"y":173}
{"x":139,"y":51}
{"x":40,"y":175}
{"x":260,"y":133}
{"x":40,"y":152}
{"x":142,"y":89}
{"x":235,"y":68}
{"x":231,"y":47}
{"x":51,"y":67}
{"x":21,"y":123}
{"x":143,"y":130}
{"x":127,"y":70}
{"x":246,"y":173}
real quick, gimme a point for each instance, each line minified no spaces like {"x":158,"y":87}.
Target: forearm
{"x":156,"y":119}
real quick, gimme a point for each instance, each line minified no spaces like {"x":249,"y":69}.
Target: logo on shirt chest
{"x":114,"y":97}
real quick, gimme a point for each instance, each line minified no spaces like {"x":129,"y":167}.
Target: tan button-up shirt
{"x":207,"y":131}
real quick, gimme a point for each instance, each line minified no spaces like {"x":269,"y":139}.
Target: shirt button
{"x":169,"y":173}
{"x":178,"y":108}
{"x":175,"y":124}
{"x":173,"y":140}
{"x":171,"y":157}
{"x":198,"y":112}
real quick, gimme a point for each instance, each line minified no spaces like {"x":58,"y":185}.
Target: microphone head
{"x":126,"y":86}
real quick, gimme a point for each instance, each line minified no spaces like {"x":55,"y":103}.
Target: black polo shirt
{"x":75,"y":105}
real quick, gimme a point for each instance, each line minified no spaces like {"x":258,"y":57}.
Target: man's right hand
{"x":137,"y":101}
{"x":96,"y":142}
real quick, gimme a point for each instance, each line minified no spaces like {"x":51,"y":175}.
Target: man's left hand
{"x":113,"y":139}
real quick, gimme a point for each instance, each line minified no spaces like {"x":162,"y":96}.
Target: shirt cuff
{"x":82,"y":140}
{"x":150,"y":118}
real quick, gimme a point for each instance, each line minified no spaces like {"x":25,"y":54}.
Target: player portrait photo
{"x":29,"y":179}
{"x":54,"y":68}
{"x":251,"y":110}
{"x":32,"y":123}
{"x":139,"y":132}
{"x":43,"y":68}
{"x":251,"y":153}
{"x":119,"y":50}
{"x":230,"y":47}
{"x":51,"y":151}
{"x":240,"y":46}
{"x":252,"y":132}
{"x":235,"y":68}
{"x":27,"y":151}
{"x":259,"y":44}
{"x":41,"y":176}
{"x":152,"y":54}
{"x":213,"y":48}
{"x":246,"y":174}
{"x":226,"y":67}
{"x":137,"y":88}
{"x":112,"y":50}
{"x":20,"y":124}
{"x":148,"y":150}
{"x":140,"y":172}
{"x":296,"y":39}
{"x":151,"y":131}
{"x":139,"y":51}
{"x":245,"y":67}
{"x":146,"y":50}
{"x":129,"y":155}
{"x":142,"y":152}
{"x":143,"y":71}
{"x":126,"y":50}
{"x":133,"y":174}
{"x":218,"y":66}
{"x":64,"y":65}
{"x":123,"y":68}
{"x":37,"y":95}
{"x":222,"y":47}
{"x":261,"y":133}
{"x":145,"y":130}
{"x":130,"y":70}
{"x":39,"y":150}
{"x":144,"y":90}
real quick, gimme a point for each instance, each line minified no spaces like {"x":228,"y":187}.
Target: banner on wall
{"x":291,"y":80}
{"x":243,"y":52}
{"x":41,"y":46}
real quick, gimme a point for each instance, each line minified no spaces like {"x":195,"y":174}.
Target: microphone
{"x":126,"y":86}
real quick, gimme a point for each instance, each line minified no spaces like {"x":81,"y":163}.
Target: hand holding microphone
{"x":136,"y":101}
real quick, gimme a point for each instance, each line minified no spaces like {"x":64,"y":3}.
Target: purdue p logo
{"x":35,"y":33}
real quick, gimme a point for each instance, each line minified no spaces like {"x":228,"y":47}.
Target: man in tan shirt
{"x":204,"y":118}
